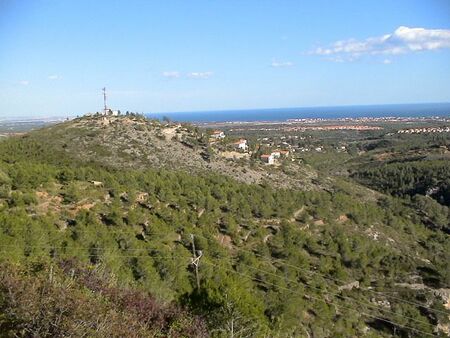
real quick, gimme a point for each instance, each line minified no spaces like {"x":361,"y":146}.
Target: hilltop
{"x":132,"y":141}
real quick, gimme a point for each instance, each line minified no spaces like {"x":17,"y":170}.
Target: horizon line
{"x":204,"y":111}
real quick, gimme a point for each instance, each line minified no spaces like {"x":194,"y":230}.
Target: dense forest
{"x":95,"y":250}
{"x":431,"y":178}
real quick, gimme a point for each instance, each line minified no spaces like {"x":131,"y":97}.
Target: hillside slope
{"x":274,"y":262}
{"x":135,"y":142}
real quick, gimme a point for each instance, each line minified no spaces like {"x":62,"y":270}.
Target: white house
{"x":241,"y":144}
{"x":269,"y":159}
{"x":218,"y":134}
{"x":276,"y":154}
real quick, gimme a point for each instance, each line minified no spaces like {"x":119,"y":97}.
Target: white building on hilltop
{"x":107,"y":111}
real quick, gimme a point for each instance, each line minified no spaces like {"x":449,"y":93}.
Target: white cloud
{"x":24,"y":82}
{"x":277,"y":64}
{"x":171,"y":74}
{"x":54,"y":77}
{"x":200,"y":75}
{"x":387,"y":61}
{"x":403,"y":40}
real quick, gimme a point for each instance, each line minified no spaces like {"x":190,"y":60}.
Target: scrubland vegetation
{"x":92,"y":248}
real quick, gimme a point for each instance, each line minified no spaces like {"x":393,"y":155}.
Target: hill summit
{"x":133,"y":141}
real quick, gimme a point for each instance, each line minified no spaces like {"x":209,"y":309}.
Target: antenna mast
{"x":104,"y":100}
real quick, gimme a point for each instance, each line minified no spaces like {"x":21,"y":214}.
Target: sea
{"x":283,"y":114}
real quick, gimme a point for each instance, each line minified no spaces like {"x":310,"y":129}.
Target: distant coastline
{"x":283,"y":114}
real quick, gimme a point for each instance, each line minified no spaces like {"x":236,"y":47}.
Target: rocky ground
{"x":132,"y":141}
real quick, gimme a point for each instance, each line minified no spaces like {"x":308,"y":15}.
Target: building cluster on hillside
{"x":424,"y":130}
{"x":276,"y":149}
{"x":240,"y":144}
{"x":297,"y":144}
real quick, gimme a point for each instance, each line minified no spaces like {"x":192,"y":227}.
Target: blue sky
{"x":162,"y":56}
